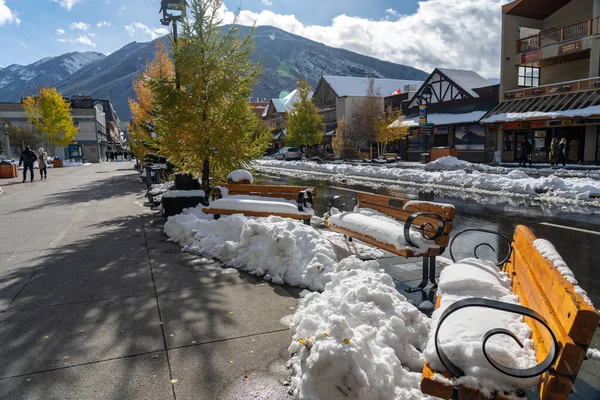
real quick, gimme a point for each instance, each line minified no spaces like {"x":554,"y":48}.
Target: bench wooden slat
{"x":384,"y":246}
{"x":216,"y":211}
{"x":434,"y":387}
{"x":578,"y":318}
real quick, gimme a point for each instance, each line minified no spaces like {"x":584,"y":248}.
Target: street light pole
{"x":173,"y":5}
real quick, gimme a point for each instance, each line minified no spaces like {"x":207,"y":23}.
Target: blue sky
{"x":404,"y":31}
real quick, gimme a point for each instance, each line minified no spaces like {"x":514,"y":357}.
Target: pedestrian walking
{"x":112,"y":156}
{"x":28,"y":157}
{"x":107,"y":156}
{"x":553,"y":155}
{"x":43,"y":163}
{"x":562,"y":151}
{"x":525,"y":154}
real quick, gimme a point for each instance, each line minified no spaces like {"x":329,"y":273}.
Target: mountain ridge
{"x":286,"y":58}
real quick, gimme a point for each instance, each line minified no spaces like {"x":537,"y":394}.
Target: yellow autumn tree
{"x":342,"y":142}
{"x":389,"y":128}
{"x":144,"y":138}
{"x":50,"y":113}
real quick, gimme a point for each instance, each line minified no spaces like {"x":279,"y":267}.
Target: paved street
{"x":95,"y":303}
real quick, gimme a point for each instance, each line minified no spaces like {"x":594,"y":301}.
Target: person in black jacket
{"x":28,"y":157}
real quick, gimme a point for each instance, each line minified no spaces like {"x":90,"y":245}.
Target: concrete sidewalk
{"x":96,"y":304}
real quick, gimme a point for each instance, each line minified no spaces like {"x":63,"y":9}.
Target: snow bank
{"x":281,"y":250}
{"x":240,"y":175}
{"x":183,"y":193}
{"x":357,"y":339}
{"x":462,"y":333}
{"x":507,"y":184}
{"x":446,"y":163}
{"x":547,"y":250}
{"x":384,"y":229}
{"x":593,"y":354}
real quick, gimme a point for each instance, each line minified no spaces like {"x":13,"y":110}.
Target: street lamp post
{"x":166,"y":8}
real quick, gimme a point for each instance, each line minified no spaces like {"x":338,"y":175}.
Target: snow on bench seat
{"x":382,"y":228}
{"x":461,"y":334}
{"x":258,"y":204}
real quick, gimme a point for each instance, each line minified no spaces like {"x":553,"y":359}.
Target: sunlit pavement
{"x":95,"y":303}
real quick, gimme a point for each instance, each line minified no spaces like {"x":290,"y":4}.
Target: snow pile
{"x":447,"y":162}
{"x":357,"y":339}
{"x":511,"y":184}
{"x":67,"y":163}
{"x":240,"y":175}
{"x":283,"y":250}
{"x":461,"y":335}
{"x":547,"y":250}
{"x":259,"y":204}
{"x":160,"y":188}
{"x":593,"y":354}
{"x":380,"y":227}
{"x":183,"y":193}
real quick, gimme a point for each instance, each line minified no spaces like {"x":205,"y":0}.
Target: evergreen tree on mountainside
{"x":143,"y":111}
{"x":304,"y":124}
{"x":207,"y":127}
{"x":50,"y":113}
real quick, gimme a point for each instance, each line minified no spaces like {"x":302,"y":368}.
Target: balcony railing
{"x":558,"y":35}
{"x":555,"y":88}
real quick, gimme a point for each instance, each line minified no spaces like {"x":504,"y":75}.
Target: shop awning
{"x":561,"y":106}
{"x":444,"y":119}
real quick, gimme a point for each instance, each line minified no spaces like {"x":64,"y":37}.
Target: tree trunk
{"x":206,"y":175}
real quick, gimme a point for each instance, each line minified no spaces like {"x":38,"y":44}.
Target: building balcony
{"x":555,"y":88}
{"x":558,"y":35}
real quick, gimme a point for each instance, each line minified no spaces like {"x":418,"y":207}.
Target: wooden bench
{"x":432,"y":220}
{"x":300,"y":197}
{"x":543,"y":289}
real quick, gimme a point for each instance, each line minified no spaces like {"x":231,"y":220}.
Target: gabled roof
{"x":347,"y":86}
{"x":285,"y":104}
{"x":467,"y":80}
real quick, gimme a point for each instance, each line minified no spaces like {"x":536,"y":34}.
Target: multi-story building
{"x":97,"y":121}
{"x":275,"y":114}
{"x":550,"y":79}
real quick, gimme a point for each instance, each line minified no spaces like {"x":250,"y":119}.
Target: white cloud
{"x":266,"y":2}
{"x":7,"y":16}
{"x":22,"y":43}
{"x":68,"y":4}
{"x":103,"y":23}
{"x":60,"y":31}
{"x":82,"y":26}
{"x":82,"y":39}
{"x":392,"y":12}
{"x":138,"y":27}
{"x":441,"y":33}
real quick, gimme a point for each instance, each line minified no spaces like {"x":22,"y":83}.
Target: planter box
{"x":8,"y":171}
{"x":175,"y":205}
{"x":57,"y":163}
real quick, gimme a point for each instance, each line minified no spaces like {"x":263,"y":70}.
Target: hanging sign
{"x":423,"y":114}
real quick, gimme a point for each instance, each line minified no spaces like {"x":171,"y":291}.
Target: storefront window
{"x":508,"y":141}
{"x":469,"y":137}
{"x":417,"y":142}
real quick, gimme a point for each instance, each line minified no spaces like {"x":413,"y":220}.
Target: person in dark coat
{"x":526,"y":151}
{"x":562,"y":152}
{"x":28,"y":157}
{"x":107,"y":155}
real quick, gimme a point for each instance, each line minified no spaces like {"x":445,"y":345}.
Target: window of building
{"x":469,"y":137}
{"x":508,"y":141}
{"x":529,"y":76}
{"x":417,"y":142}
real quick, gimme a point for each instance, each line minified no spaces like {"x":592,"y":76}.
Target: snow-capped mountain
{"x":286,"y":58}
{"x":21,"y":80}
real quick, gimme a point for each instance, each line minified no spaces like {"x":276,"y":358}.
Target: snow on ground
{"x":240,"y":175}
{"x":281,"y":250}
{"x":547,"y":249}
{"x":514,"y":183}
{"x":462,"y":332}
{"x":593,"y":354}
{"x":358,"y":339}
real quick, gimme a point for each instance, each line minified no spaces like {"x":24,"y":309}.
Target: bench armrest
{"x":343,"y":204}
{"x":500,"y":235}
{"x":539,"y":369}
{"x":441,"y":224}
{"x":305,"y":197}
{"x":214,"y":194}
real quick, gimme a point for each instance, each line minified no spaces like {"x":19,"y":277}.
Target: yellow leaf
{"x":173,"y":380}
{"x":66,"y":357}
{"x":346,"y":341}
{"x":171,"y":335}
{"x":81,"y":331}
{"x":155,"y":356}
{"x":325,"y":335}
{"x":46,"y":337}
{"x":101,"y":334}
{"x":301,"y":341}
{"x":193,"y":342}
{"x":260,"y":388}
{"x":28,"y":379}
{"x":230,"y":312}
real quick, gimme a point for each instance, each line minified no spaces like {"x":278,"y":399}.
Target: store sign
{"x":426,"y":129}
{"x":511,"y":125}
{"x":538,"y":124}
{"x":566,"y":122}
{"x":530,"y":57}
{"x":423,"y":114}
{"x":570,"y":48}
